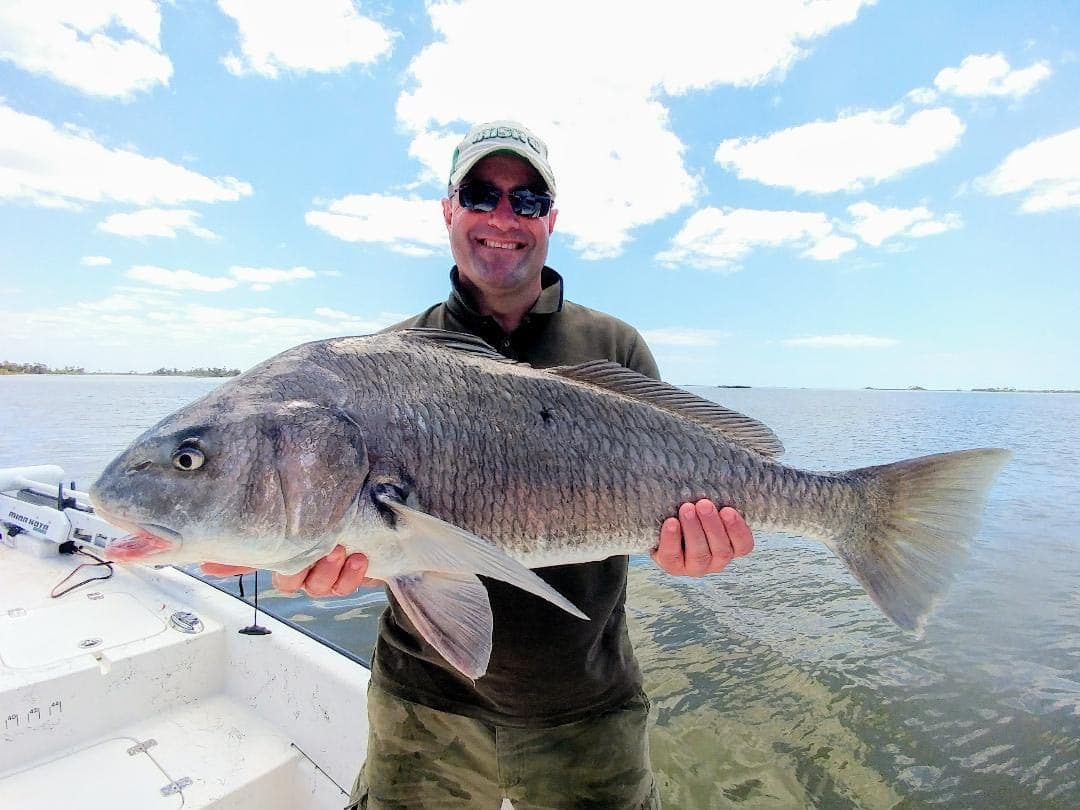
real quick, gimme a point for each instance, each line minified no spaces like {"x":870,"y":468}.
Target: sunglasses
{"x":485,"y":197}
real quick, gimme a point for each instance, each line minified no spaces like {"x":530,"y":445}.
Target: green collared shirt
{"x":566,"y":669}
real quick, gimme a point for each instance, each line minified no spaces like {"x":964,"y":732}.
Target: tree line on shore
{"x":8,"y":367}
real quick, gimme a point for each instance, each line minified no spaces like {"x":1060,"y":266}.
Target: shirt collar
{"x":549,"y":302}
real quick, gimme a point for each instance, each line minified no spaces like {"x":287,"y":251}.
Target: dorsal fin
{"x":458,"y":341}
{"x":734,"y":426}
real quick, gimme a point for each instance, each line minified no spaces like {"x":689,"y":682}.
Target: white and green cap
{"x":500,"y":136}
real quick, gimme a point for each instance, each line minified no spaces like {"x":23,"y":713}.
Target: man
{"x":559,"y":719}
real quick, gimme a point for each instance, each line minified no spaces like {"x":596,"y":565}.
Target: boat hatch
{"x":56,"y":632}
{"x":108,"y":771}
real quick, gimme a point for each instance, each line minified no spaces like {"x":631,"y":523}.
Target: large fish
{"x":440,"y":460}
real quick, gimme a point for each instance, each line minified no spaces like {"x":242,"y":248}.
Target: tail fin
{"x":921,"y":515}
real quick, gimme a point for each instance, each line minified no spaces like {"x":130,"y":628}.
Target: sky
{"x":800,"y":194}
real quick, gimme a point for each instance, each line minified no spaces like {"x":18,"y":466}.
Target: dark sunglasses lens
{"x":479,"y":197}
{"x":530,"y":204}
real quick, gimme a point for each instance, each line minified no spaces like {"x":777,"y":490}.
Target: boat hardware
{"x":140,"y":748}
{"x":186,"y":622}
{"x":254,"y":629}
{"x":177,"y":786}
{"x":89,"y":643}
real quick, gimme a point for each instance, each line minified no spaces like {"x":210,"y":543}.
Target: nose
{"x":503,"y":216}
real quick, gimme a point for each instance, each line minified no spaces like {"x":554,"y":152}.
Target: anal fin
{"x":452,"y":613}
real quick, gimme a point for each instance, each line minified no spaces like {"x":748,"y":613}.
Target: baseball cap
{"x":500,"y":136}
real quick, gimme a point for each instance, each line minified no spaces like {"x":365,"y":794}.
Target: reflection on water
{"x":778,"y":683}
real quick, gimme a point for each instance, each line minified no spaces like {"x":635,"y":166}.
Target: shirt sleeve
{"x":640,"y":358}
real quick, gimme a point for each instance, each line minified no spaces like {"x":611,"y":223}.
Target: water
{"x":777,"y":683}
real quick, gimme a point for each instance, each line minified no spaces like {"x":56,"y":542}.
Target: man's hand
{"x":702,"y":540}
{"x":335,"y":574}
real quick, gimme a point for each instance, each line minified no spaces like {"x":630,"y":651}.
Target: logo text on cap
{"x":508,"y":132}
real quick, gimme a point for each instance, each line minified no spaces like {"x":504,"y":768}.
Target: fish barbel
{"x":440,"y":460}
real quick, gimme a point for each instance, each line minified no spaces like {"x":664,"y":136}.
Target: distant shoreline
{"x":920,"y":388}
{"x":983,"y":390}
{"x":29,"y":369}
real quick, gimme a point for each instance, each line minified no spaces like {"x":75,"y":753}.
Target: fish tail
{"x":912,"y":532}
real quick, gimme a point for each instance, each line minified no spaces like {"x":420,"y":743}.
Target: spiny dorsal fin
{"x":735,"y":427}
{"x":458,"y":341}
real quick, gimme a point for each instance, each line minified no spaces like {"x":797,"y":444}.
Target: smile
{"x":491,"y":243}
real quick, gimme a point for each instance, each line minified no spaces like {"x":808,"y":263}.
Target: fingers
{"x":705,"y":540}
{"x":669,"y":551}
{"x":742,"y":539}
{"x":333,"y":575}
{"x":290,"y":583}
{"x":702,"y":540}
{"x":353,"y":576}
{"x":213,"y":569}
{"x":324,"y":574}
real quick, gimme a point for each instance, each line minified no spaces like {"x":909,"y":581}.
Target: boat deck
{"x":106,"y":703}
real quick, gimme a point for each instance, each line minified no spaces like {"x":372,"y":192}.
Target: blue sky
{"x":823,"y":194}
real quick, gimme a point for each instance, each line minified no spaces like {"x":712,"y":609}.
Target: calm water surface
{"x":777,"y":683}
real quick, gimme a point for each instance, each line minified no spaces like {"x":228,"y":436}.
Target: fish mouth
{"x":145,"y":540}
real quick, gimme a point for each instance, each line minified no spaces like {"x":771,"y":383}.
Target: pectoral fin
{"x":438,"y":546}
{"x":452,"y":612}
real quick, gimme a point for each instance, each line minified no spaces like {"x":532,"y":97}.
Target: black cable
{"x":69,"y":547}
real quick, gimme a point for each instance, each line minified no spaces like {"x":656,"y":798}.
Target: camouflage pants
{"x":423,"y":758}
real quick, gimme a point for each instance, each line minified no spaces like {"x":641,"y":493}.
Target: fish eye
{"x":187,"y":458}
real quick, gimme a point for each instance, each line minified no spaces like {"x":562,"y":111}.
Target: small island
{"x":1028,"y":390}
{"x":196,"y":372}
{"x":982,"y":390}
{"x":7,"y":367}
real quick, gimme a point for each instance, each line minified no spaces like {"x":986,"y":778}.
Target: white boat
{"x":138,"y":691}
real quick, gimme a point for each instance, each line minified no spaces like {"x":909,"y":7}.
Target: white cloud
{"x":598,"y":100}
{"x":1046,"y":170}
{"x":60,"y":168}
{"x":263,"y":278}
{"x":829,"y":248}
{"x":260,"y":279}
{"x":923,"y":96}
{"x":102,"y":47}
{"x":990,"y":75}
{"x":172,"y":332}
{"x":847,"y":154}
{"x":179,"y":279}
{"x":332,"y":314}
{"x":319,"y":36}
{"x":678,"y":336}
{"x":95,"y":261}
{"x":270,"y":275}
{"x":842,"y":342}
{"x":718,"y":239}
{"x":409,"y":226}
{"x":155,"y":222}
{"x":875,"y":225}
{"x":345,"y":323}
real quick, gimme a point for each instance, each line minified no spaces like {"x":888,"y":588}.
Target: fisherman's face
{"x":499,"y":252}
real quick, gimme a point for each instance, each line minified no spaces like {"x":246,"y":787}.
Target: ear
{"x":321,"y":464}
{"x":552,"y":214}
{"x":447,"y":211}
